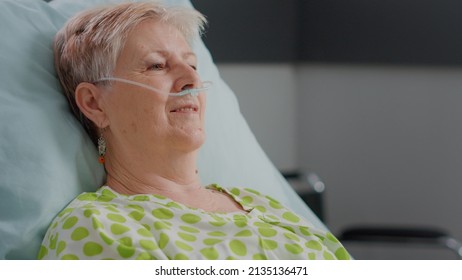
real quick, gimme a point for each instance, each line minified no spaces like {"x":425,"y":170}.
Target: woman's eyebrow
{"x":156,"y":52}
{"x":166,"y":54}
{"x":189,"y":54}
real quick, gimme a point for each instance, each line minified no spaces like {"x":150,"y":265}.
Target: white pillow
{"x":46,"y":158}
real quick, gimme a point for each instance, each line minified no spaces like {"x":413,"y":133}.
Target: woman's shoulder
{"x":102,"y":200}
{"x":101,"y":196}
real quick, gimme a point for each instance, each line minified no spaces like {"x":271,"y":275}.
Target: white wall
{"x":387,"y":141}
{"x":265,"y":93}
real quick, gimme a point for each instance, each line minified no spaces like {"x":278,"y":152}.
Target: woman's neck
{"x":170,"y":175}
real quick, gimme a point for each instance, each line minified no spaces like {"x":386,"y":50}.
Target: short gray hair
{"x":87,"y":47}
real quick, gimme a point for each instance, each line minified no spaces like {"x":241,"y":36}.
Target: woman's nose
{"x":187,"y":78}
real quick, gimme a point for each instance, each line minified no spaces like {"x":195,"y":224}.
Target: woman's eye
{"x":157,"y":66}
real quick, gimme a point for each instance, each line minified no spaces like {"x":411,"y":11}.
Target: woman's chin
{"x":192,"y":139}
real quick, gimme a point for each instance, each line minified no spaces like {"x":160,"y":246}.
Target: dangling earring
{"x":101,"y":148}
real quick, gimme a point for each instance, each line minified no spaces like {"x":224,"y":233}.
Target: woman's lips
{"x":185,"y":109}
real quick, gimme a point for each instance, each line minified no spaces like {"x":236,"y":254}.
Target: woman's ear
{"x":89,"y":99}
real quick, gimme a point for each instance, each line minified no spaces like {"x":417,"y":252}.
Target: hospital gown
{"x":108,"y":225}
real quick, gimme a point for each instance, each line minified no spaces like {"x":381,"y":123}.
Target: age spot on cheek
{"x":135,"y":128}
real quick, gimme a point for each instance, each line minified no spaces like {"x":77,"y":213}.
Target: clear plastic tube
{"x":192,"y":91}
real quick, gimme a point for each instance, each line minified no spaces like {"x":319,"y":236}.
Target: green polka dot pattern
{"x":108,"y":225}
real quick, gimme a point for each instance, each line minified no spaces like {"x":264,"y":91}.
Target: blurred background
{"x":365,"y":93}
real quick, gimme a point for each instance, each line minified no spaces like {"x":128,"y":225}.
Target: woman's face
{"x":156,"y":54}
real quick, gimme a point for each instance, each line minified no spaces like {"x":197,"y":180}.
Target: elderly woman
{"x":130,"y":76}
